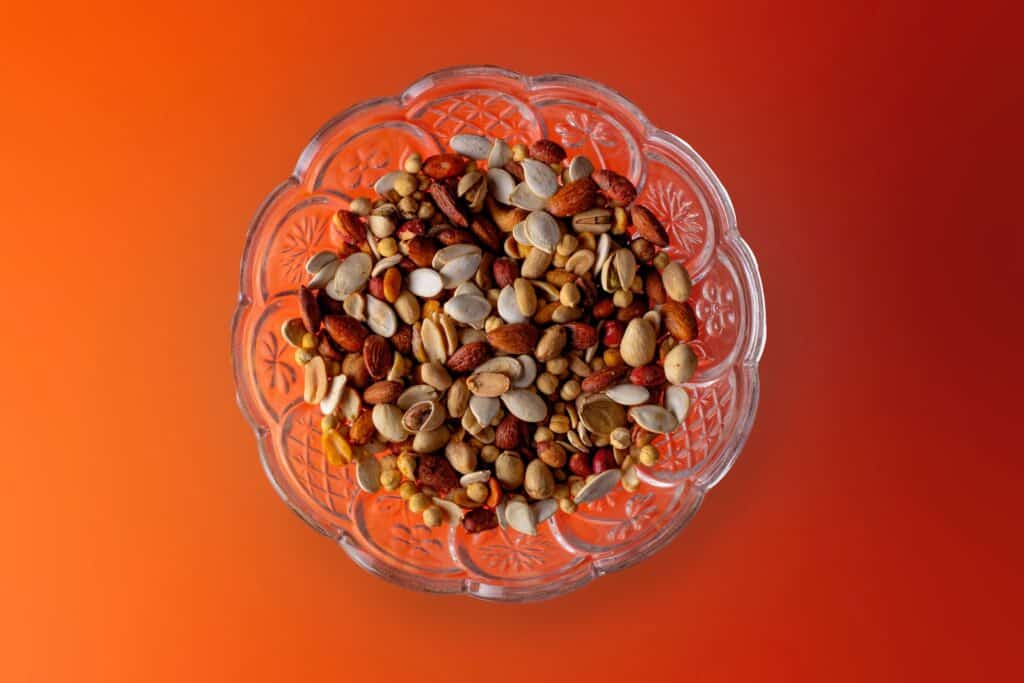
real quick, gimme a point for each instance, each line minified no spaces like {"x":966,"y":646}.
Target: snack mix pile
{"x":489,"y":341}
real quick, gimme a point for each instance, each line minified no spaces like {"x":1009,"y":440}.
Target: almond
{"x":487,"y":232}
{"x":507,"y":436}
{"x":654,"y":287}
{"x":377,"y":355}
{"x":647,"y":376}
{"x":442,"y":166}
{"x":421,"y":250}
{"x":445,"y":200}
{"x":604,"y":309}
{"x":517,"y":338}
{"x":402,"y":339}
{"x":392,"y":285}
{"x":601,"y":380}
{"x":349,"y":228}
{"x":466,"y":358}
{"x":637,"y":308}
{"x":615,"y":187}
{"x":680,"y":320}
{"x":309,"y":309}
{"x":648,"y":226}
{"x":515,"y":169}
{"x":450,"y":236}
{"x":573,"y":197}
{"x":505,"y":272}
{"x":362,"y":429}
{"x":354,"y":368}
{"x":327,"y":349}
{"x":347,"y":332}
{"x":581,"y":335}
{"x":382,"y":392}
{"x":548,"y":151}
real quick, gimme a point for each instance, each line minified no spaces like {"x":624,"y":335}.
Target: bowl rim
{"x":746,"y":362}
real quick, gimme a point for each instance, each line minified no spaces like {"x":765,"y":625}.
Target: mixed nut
{"x":488,"y":340}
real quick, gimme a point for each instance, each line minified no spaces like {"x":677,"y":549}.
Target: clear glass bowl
{"x":341,"y":162}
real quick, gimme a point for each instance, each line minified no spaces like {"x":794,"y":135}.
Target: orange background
{"x":870,"y":531}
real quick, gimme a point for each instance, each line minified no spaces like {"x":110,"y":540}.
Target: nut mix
{"x":489,"y":340}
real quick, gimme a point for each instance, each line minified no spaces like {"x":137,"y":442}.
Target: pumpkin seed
{"x":425,"y":282}
{"x":385,"y":263}
{"x":501,"y":184}
{"x":468,"y":309}
{"x":488,"y":384}
{"x":468,"y":289}
{"x":543,"y":231}
{"x":529,"y":372}
{"x":508,"y":306}
{"x":324,"y":275}
{"x":293,"y":330}
{"x":351,"y":275}
{"x":523,"y":197}
{"x":330,"y":402}
{"x":484,"y":408}
{"x":628,"y":394}
{"x":319,"y":260}
{"x":677,"y":401}
{"x":468,"y":182}
{"x":416,"y":394}
{"x":457,"y":271}
{"x":579,"y":167}
{"x":450,"y":253}
{"x":473,"y":146}
{"x":520,"y":235}
{"x":539,"y":178}
{"x":527,"y":405}
{"x":499,"y":155}
{"x":368,"y":474}
{"x":521,"y":517}
{"x":654,"y":419}
{"x":598,"y":487}
{"x":543,"y":510}
{"x":387,"y":182}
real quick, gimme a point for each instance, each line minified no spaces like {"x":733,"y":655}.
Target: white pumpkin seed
{"x":333,"y":397}
{"x":324,"y":275}
{"x":484,"y":408}
{"x":293,"y":330}
{"x":506,"y":365}
{"x":351,"y":275}
{"x":508,"y":307}
{"x":368,"y":474}
{"x":598,"y":487}
{"x":385,"y":263}
{"x":425,"y":282}
{"x":527,"y":405}
{"x":628,"y":394}
{"x":355,"y":306}
{"x":387,"y":182}
{"x":677,"y":401}
{"x":473,"y":146}
{"x":380,"y":317}
{"x":654,"y":419}
{"x":319,"y":260}
{"x":604,"y":247}
{"x":381,"y":226}
{"x":468,"y":289}
{"x":371,"y":240}
{"x":434,"y":345}
{"x":529,"y":373}
{"x":539,"y":178}
{"x":523,"y":197}
{"x":579,"y":167}
{"x":499,"y":512}
{"x":501,"y":184}
{"x":543,"y":510}
{"x":520,"y":235}
{"x":521,"y":517}
{"x":450,"y":253}
{"x":499,"y":155}
{"x":459,"y":270}
{"x":452,"y":512}
{"x":468,"y":309}
{"x":542,"y":231}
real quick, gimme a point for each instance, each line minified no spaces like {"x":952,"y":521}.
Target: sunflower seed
{"x":523,"y":197}
{"x":368,"y":474}
{"x":542,"y":231}
{"x":628,"y":394}
{"x":579,"y":167}
{"x":501,"y":184}
{"x":539,"y":178}
{"x":473,"y":146}
{"x":330,"y":402}
{"x":425,"y":282}
{"x":521,"y":518}
{"x":351,"y":275}
{"x":527,"y":405}
{"x":654,"y":419}
{"x":598,"y":487}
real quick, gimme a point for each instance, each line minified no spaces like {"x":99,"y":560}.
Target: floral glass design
{"x":341,"y":162}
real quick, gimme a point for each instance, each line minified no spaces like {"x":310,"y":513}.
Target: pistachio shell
{"x":506,"y":365}
{"x":521,"y":517}
{"x":415,"y":394}
{"x":425,"y":282}
{"x":624,"y":263}
{"x":543,"y":231}
{"x":529,"y":373}
{"x":677,"y":401}
{"x":468,"y":309}
{"x":423,"y":416}
{"x":468,"y":182}
{"x":539,"y":178}
{"x":600,"y":415}
{"x":527,"y":405}
{"x":380,"y":317}
{"x":351,"y":275}
{"x":473,"y":146}
{"x":293,"y":330}
{"x":598,"y":487}
{"x":368,"y":474}
{"x":628,"y":394}
{"x":319,"y":260}
{"x":654,"y":419}
{"x":499,"y":155}
{"x":523,"y":197}
{"x":501,"y":184}
{"x":508,"y":307}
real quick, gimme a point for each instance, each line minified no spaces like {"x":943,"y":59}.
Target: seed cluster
{"x":487,"y":338}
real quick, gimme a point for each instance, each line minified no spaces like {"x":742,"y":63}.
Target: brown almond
{"x":548,"y":151}
{"x":515,"y":169}
{"x":680,"y":320}
{"x":402,"y":339}
{"x":648,"y":226}
{"x":467,"y":357}
{"x":442,"y":166}
{"x":421,"y":250}
{"x":309,"y":309}
{"x":378,"y":356}
{"x":445,"y":200}
{"x":517,"y":338}
{"x":354,"y":368}
{"x":487,"y":232}
{"x":349,"y":228}
{"x":615,"y":187}
{"x":347,"y":332}
{"x":573,"y":198}
{"x":362,"y":429}
{"x":581,"y":335}
{"x":507,"y":434}
{"x":450,"y":236}
{"x":382,"y":392}
{"x":326,"y":348}
{"x":654,"y":287}
{"x":601,"y":380}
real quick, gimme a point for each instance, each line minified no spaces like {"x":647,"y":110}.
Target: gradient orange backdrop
{"x":871,"y":530}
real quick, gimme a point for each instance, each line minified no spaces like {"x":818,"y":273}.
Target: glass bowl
{"x":341,"y":162}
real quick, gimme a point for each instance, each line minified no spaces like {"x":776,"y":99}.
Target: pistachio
{"x":680,"y":364}
{"x":638,"y":343}
{"x":430,"y":441}
{"x":538,"y":482}
{"x":676,"y":281}
{"x":462,"y":456}
{"x":509,"y":470}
